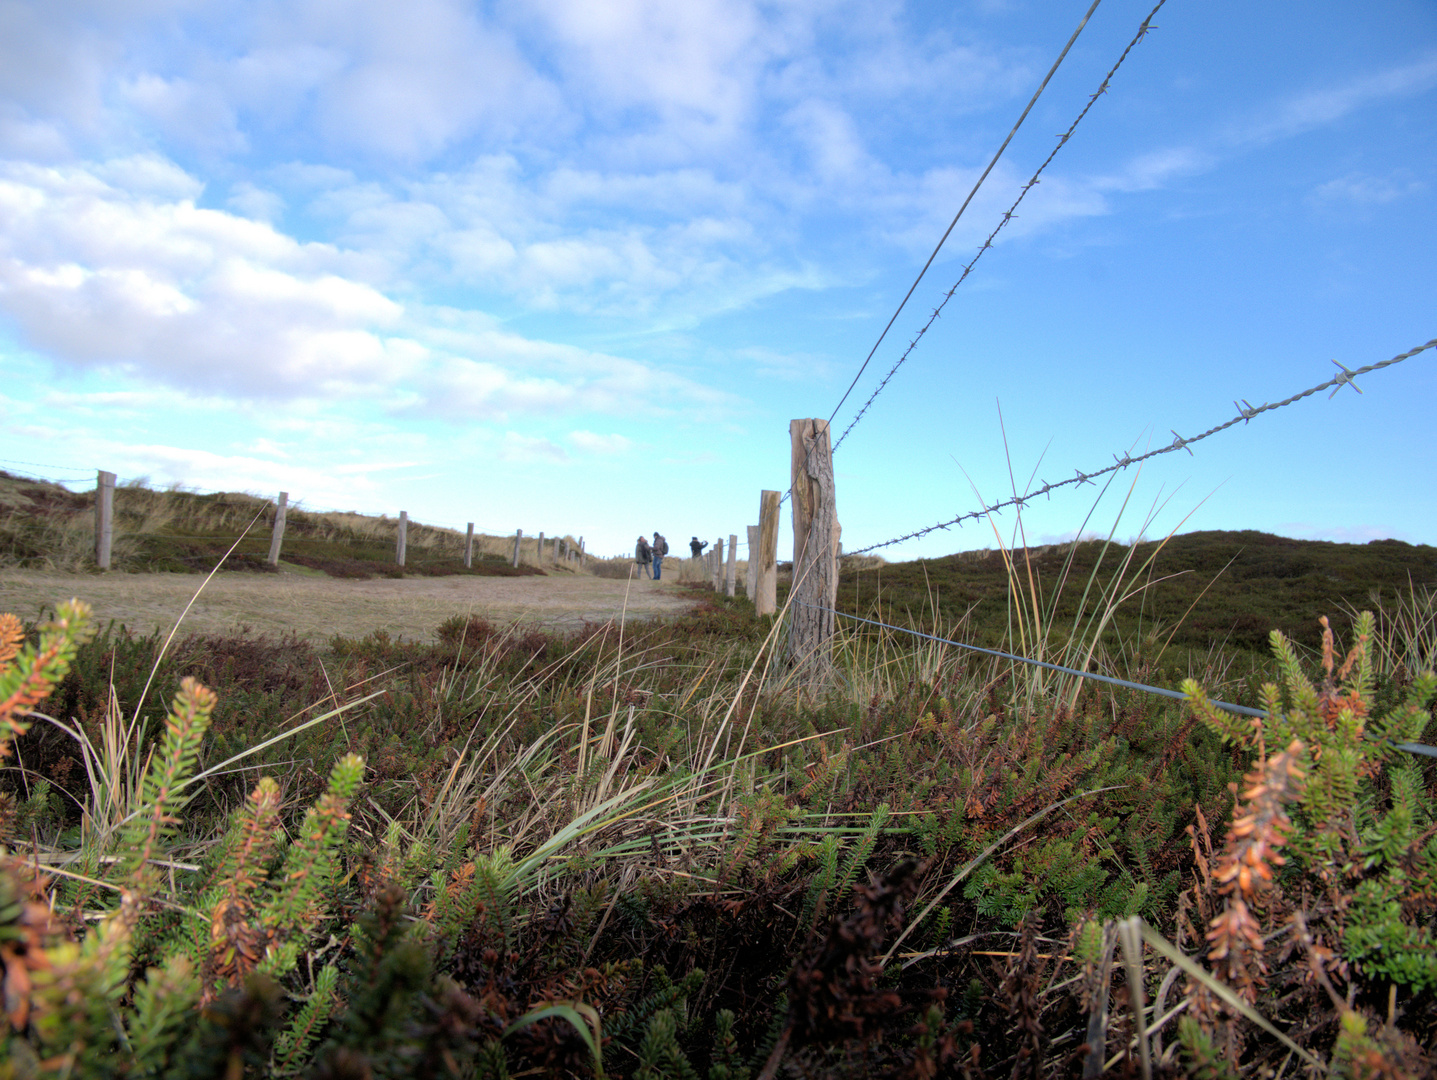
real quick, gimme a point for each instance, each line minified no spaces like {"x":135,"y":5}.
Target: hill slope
{"x":1204,"y":587}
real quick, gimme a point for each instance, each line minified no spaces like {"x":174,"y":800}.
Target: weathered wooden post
{"x":732,"y":571}
{"x":539,"y":550}
{"x":581,"y":551}
{"x":718,"y":564}
{"x":277,"y":537}
{"x":815,"y":549}
{"x":751,"y":577}
{"x":403,"y":540}
{"x":518,"y":539}
{"x":766,"y":583}
{"x":104,"y":518}
{"x":469,"y":547}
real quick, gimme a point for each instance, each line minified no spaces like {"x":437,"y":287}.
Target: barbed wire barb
{"x":1344,"y":378}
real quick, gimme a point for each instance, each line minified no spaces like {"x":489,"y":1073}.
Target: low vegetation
{"x":642,"y":851}
{"x":45,"y":526}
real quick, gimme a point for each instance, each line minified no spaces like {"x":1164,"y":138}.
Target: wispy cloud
{"x":1326,"y":105}
{"x":594,"y":443}
{"x":1364,"y":189}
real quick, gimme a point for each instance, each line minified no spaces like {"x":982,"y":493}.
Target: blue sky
{"x":572,"y":266}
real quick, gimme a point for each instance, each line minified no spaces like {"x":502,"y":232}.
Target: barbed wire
{"x":988,"y":243}
{"x":1112,"y":680}
{"x":951,"y":225}
{"x":1246,"y":412}
{"x":48,"y":465}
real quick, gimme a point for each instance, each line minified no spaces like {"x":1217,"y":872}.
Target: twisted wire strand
{"x":1241,"y":710}
{"x":951,"y":225}
{"x":1245,"y":412}
{"x":49,"y":465}
{"x":1062,"y":139}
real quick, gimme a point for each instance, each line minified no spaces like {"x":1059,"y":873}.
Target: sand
{"x":317,"y":608}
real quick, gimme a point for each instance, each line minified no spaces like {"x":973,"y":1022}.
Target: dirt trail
{"x":316,"y":608}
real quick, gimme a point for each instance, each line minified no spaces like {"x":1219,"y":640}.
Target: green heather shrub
{"x":1361,"y":834}
{"x":600,"y":853}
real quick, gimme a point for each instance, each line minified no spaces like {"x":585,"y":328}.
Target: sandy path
{"x":317,"y":608}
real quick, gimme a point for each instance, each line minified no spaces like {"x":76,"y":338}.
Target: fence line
{"x":1246,"y":412}
{"x":951,"y":225}
{"x":49,"y":465}
{"x":1062,"y":140}
{"x":1241,"y":710}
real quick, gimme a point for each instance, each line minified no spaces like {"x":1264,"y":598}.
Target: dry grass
{"x":58,"y":526}
{"x":317,"y":608}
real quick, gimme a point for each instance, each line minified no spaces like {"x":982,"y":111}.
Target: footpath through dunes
{"x":317,"y":608}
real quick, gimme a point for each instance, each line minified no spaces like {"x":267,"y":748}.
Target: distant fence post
{"x":732,"y":570}
{"x":815,"y":547}
{"x":518,"y":539}
{"x":581,"y":551}
{"x":752,"y":576}
{"x":718,"y":564}
{"x":539,"y":551}
{"x":104,"y":518}
{"x":766,"y":583}
{"x":278,"y":536}
{"x":469,"y":547}
{"x":401,"y":544}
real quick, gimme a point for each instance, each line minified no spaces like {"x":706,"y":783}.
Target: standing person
{"x":697,"y":546}
{"x":642,"y":554}
{"x":660,"y":548}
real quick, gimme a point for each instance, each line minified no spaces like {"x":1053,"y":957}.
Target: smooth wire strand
{"x":1003,"y":221}
{"x":1245,"y":412}
{"x":951,"y":225}
{"x":1226,"y":706}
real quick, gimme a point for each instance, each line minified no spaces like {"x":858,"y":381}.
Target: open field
{"x":317,"y":608}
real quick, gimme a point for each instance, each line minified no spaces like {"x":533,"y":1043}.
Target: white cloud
{"x":255,"y":203}
{"x":526,"y":449}
{"x":415,"y":77}
{"x":1367,"y":190}
{"x":98,"y":276}
{"x":1318,"y":108}
{"x":694,"y":65}
{"x":103,"y":276}
{"x":498,"y":373}
{"x":595,"y":443}
{"x":194,"y":113}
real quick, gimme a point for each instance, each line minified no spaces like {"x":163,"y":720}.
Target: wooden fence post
{"x":815,"y":547}
{"x":718,"y":564}
{"x":766,"y":584}
{"x":518,"y":539}
{"x":469,"y":547}
{"x":752,"y":576}
{"x":278,"y":536}
{"x":539,"y":551}
{"x":104,"y":518}
{"x":581,"y":551}
{"x":732,"y":570}
{"x":403,"y":541}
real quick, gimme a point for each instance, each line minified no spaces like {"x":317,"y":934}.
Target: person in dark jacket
{"x":642,"y":555}
{"x":660,"y":548}
{"x":697,"y":546}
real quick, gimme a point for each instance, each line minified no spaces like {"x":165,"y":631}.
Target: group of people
{"x":649,"y":554}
